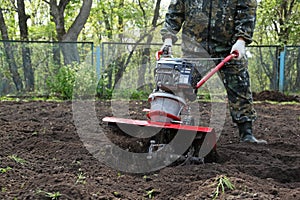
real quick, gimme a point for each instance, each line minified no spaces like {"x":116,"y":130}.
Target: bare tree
{"x":13,"y":67}
{"x":297,"y":82}
{"x":148,"y":36}
{"x":26,"y":56}
{"x":69,"y":48}
{"x":146,"y":51}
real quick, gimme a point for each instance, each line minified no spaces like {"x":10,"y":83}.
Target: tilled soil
{"x":42,"y":156}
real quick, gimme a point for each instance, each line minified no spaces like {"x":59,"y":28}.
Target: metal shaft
{"x":214,"y":70}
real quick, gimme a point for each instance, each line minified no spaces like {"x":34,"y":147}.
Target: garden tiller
{"x":177,"y":82}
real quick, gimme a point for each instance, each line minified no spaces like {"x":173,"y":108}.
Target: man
{"x":216,"y":28}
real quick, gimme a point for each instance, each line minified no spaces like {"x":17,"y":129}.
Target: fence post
{"x":281,"y":70}
{"x":98,"y":61}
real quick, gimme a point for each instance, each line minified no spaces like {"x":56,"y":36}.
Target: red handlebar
{"x":158,"y":54}
{"x":217,"y":68}
{"x":166,"y":52}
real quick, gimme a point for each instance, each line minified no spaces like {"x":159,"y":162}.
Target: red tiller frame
{"x":149,"y":123}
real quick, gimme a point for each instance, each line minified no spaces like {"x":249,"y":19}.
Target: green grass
{"x":51,"y":195}
{"x":4,"y":170}
{"x":150,"y":193}
{"x":17,"y":159}
{"x":278,"y":103}
{"x":81,"y":178}
{"x":222,"y":182}
{"x":32,"y":98}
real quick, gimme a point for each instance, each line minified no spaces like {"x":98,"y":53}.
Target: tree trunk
{"x":70,"y":52}
{"x":297,"y":82}
{"x":108,"y":28}
{"x":120,"y":68}
{"x":27,"y":68}
{"x":146,"y":52}
{"x":120,"y":61}
{"x":143,"y":67}
{"x":13,"y":68}
{"x":274,"y":77}
{"x":56,"y":54}
{"x":69,"y":49}
{"x":26,"y":56}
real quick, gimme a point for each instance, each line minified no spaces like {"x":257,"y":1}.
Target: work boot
{"x":246,"y":133}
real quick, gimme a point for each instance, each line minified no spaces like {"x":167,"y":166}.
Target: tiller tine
{"x":160,"y":134}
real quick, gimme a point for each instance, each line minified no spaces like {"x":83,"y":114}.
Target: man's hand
{"x":167,"y":47}
{"x":239,"y":48}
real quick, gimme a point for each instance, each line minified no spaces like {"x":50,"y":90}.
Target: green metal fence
{"x":29,"y":68}
{"x":275,"y":68}
{"x":265,"y":65}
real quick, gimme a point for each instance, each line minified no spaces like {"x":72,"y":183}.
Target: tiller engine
{"x":177,"y":82}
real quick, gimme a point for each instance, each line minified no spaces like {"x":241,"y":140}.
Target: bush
{"x":102,"y":91}
{"x":61,"y":84}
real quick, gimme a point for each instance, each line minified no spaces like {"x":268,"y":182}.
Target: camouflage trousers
{"x":236,"y":80}
{"x":235,"y":77}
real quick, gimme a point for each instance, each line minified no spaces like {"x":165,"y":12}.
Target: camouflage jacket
{"x":215,"y":24}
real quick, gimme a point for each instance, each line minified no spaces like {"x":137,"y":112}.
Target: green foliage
{"x":204,"y":95}
{"x":4,"y":170}
{"x":17,"y":159}
{"x":8,"y":10}
{"x":275,"y":19}
{"x":81,"y":178}
{"x":85,"y":85}
{"x":40,"y":26}
{"x":222,"y":183}
{"x":45,"y":32}
{"x":3,"y":189}
{"x":150,"y":193}
{"x":139,"y":95}
{"x":51,"y":195}
{"x":129,"y":94}
{"x":102,"y":91}
{"x":106,"y":16}
{"x":62,"y":83}
{"x":74,"y":81}
{"x":278,"y":22}
{"x":116,"y":194}
{"x":260,"y":68}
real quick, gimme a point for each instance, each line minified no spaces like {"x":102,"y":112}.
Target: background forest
{"x":45,"y":43}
